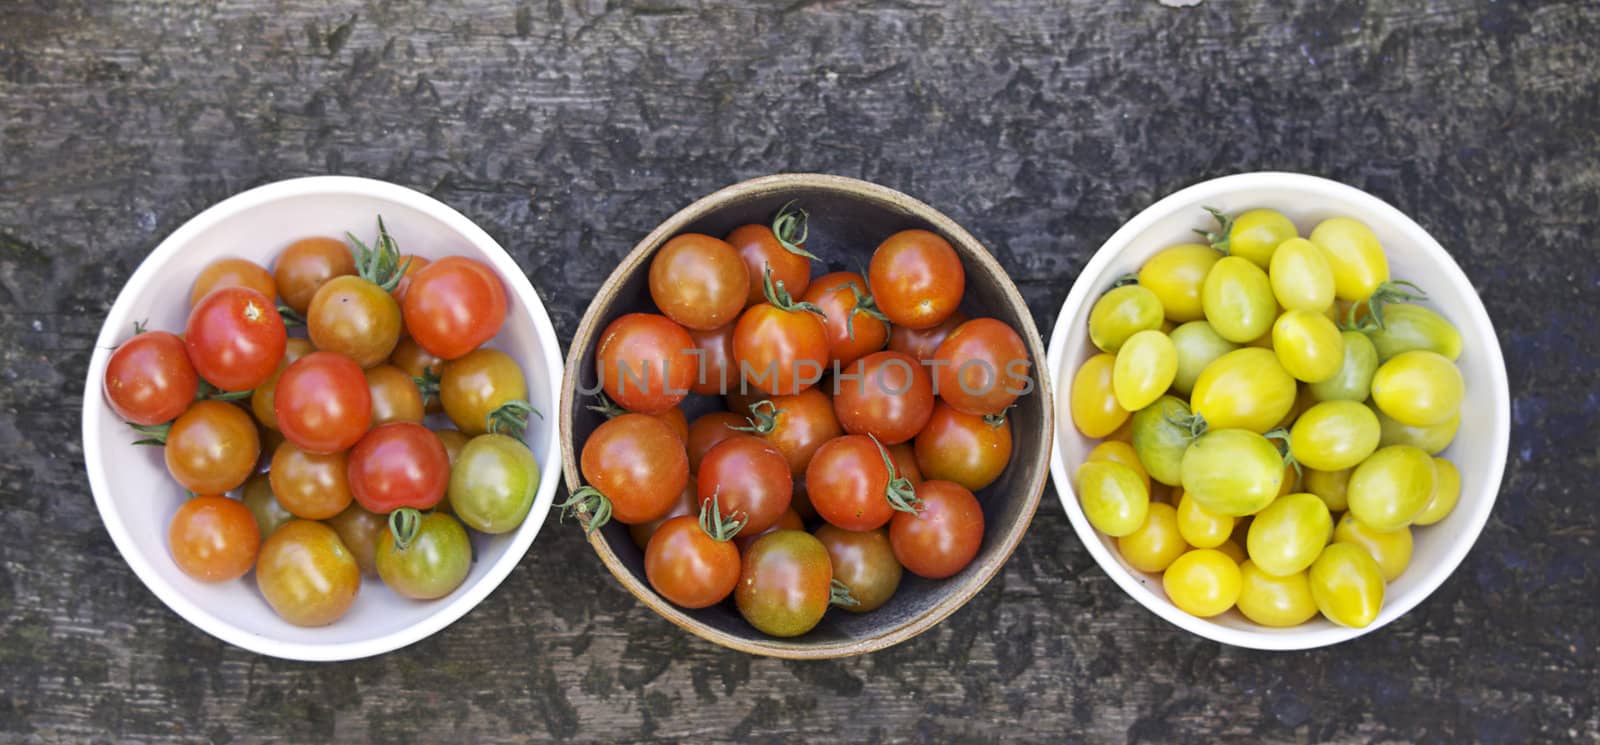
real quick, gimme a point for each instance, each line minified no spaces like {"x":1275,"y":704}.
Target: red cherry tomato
{"x":708,"y":430}
{"x":715,"y":373}
{"x":923,"y":343}
{"x":746,"y":475}
{"x":967,"y":449}
{"x":944,"y":536}
{"x":698,"y":281}
{"x":850,"y":484}
{"x":796,"y":425}
{"x":855,"y":326}
{"x":322,"y":403}
{"x":637,"y":464}
{"x":691,"y":561}
{"x":149,"y":379}
{"x":235,"y":338}
{"x":214,"y":539}
{"x":399,"y":464}
{"x":781,"y":348}
{"x":885,"y":394}
{"x":762,"y":249}
{"x":982,"y":367}
{"x":453,"y":305}
{"x":916,"y":278}
{"x":645,"y":363}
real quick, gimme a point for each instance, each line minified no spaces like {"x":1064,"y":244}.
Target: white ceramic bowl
{"x":1479,"y":449}
{"x":137,"y":498}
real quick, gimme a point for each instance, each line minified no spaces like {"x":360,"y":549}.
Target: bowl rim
{"x":117,"y":318}
{"x":641,"y":253}
{"x":1450,"y":273}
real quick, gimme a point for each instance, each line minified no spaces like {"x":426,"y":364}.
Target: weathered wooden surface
{"x":568,"y":129}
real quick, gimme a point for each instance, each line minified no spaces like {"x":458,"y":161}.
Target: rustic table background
{"x":568,"y":128}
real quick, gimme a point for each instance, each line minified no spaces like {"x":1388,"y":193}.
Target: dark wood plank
{"x":568,"y":129}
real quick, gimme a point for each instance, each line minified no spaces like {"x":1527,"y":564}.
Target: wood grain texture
{"x":568,"y":129}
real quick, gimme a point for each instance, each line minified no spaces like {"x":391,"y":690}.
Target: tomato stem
{"x":404,"y":524}
{"x":839,"y":594}
{"x":139,"y":326}
{"x":1130,"y":278}
{"x":763,"y":418}
{"x":864,"y":304}
{"x":209,"y":392}
{"x":790,"y":227}
{"x":380,"y":266}
{"x":605,"y":407}
{"x":511,"y":418}
{"x":1194,"y":423}
{"x":1394,"y":291}
{"x":427,"y":383}
{"x":154,"y":434}
{"x":901,"y":494}
{"x":592,"y":508}
{"x":1218,"y":238}
{"x":290,"y":318}
{"x":782,"y":300}
{"x":998,"y":419}
{"x":715,"y":525}
{"x":1281,"y":435}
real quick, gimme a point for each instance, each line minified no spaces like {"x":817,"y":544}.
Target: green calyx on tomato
{"x":790,"y":228}
{"x":763,"y":418}
{"x":290,"y":318}
{"x":382,"y":265}
{"x":721,"y":529}
{"x":1280,"y":438}
{"x":1393,"y":291}
{"x":839,"y":594}
{"x":1218,"y":239}
{"x":780,"y":298}
{"x":153,"y":434}
{"x":427,"y":384}
{"x":404,"y":524}
{"x":592,"y":508}
{"x":511,"y":418}
{"x":901,"y":494}
{"x":209,"y":392}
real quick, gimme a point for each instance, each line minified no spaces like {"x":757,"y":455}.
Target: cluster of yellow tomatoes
{"x":1285,"y":395}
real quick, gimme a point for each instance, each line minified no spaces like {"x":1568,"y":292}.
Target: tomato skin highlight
{"x":963,"y":448}
{"x":688,"y":567}
{"x":942,"y":538}
{"x":307,"y":574}
{"x":780,"y":352}
{"x":322,"y":403}
{"x":400,"y":464}
{"x":214,"y":539}
{"x":638,"y":463}
{"x":884,"y":394}
{"x":848,"y":483}
{"x":309,"y":485}
{"x":785,"y":583}
{"x":644,"y":362}
{"x":306,"y":265}
{"x":453,"y":305}
{"x":212,"y":448}
{"x":235,"y":338}
{"x":982,"y":367}
{"x":916,"y":278}
{"x":698,"y":281}
{"x":746,"y":474}
{"x":852,"y":334}
{"x":759,"y":248}
{"x":149,"y":379}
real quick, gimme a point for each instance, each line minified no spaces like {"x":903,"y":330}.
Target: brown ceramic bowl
{"x":849,"y":218}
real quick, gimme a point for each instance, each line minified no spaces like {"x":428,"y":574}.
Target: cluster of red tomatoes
{"x":867,"y":406}
{"x":354,"y":480}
